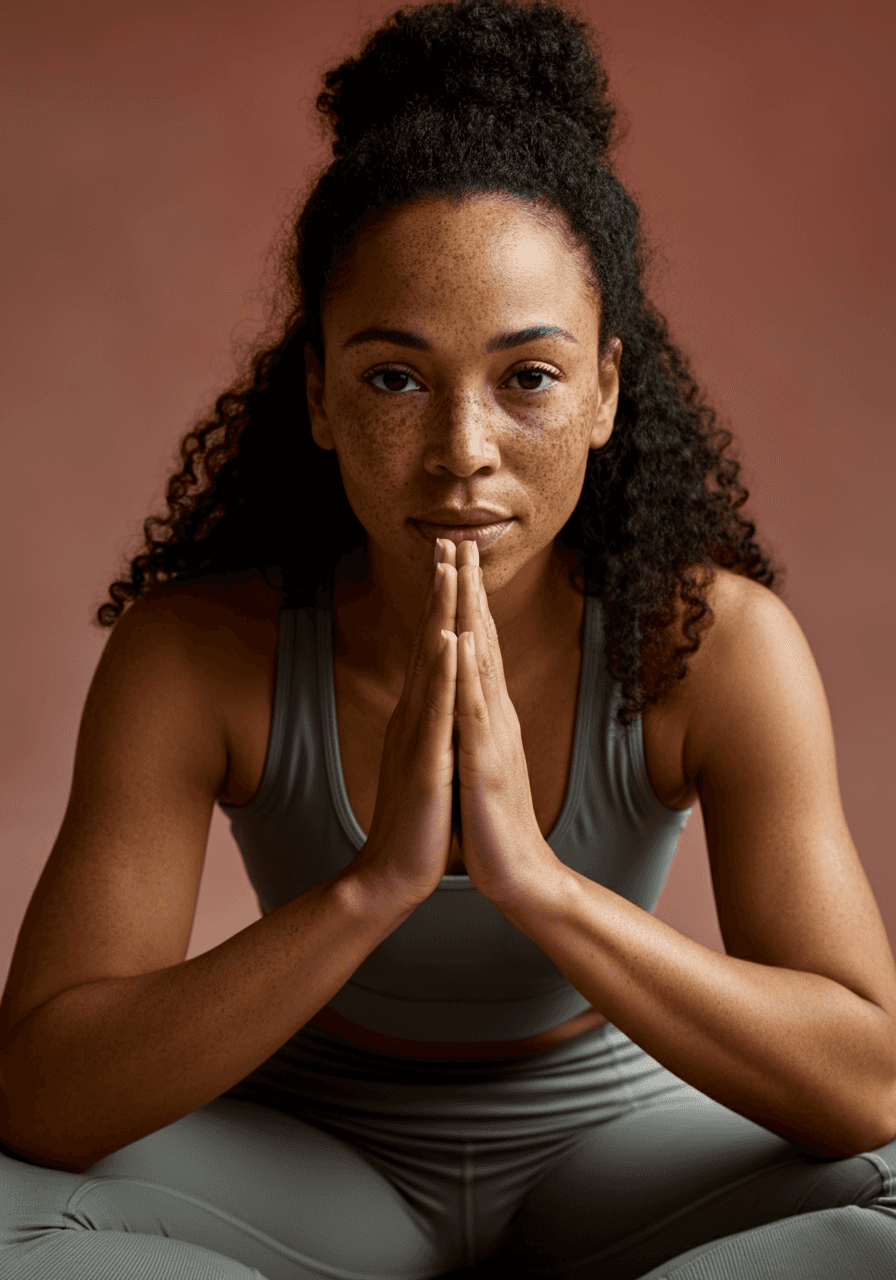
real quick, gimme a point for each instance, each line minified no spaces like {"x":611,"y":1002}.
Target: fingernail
{"x":438,"y":551}
{"x":440,"y":573}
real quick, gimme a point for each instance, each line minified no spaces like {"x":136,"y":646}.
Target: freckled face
{"x":457,"y":419}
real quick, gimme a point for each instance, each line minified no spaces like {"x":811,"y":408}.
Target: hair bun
{"x":505,"y":58}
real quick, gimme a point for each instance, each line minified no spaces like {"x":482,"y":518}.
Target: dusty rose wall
{"x":151,"y":152}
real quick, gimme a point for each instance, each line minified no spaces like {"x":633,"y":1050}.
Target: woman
{"x":457,"y":1039}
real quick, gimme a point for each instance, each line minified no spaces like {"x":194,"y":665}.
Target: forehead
{"x":481,"y":251}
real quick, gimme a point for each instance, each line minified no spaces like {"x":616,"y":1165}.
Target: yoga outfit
{"x":585,"y":1159}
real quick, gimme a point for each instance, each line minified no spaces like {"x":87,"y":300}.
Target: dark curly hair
{"x":446,"y":100}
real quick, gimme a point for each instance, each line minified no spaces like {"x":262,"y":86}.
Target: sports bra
{"x":456,"y":969}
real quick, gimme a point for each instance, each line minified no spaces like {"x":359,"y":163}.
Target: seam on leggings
{"x":468,"y":1226}
{"x":313,"y":1264}
{"x":616,"y":1051}
{"x":888,"y":1177}
{"x":607,"y":1254}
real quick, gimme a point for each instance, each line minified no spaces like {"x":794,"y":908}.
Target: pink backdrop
{"x":152,"y":151}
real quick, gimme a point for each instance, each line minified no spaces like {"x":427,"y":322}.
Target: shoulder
{"x":731,"y":599}
{"x":224,"y":620}
{"x":749,"y":622}
{"x":214,"y":600}
{"x":736,"y":604}
{"x":746,"y":624}
{"x":753,"y":672}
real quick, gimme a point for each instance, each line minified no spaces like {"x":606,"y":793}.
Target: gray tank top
{"x":456,"y":969}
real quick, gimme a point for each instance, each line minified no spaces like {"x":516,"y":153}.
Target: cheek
{"x":553,"y":447}
{"x":558,"y":482}
{"x":550,"y":461}
{"x":373,"y":444}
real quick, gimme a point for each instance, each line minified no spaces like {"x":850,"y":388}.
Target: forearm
{"x":106,"y":1063}
{"x":795,"y":1052}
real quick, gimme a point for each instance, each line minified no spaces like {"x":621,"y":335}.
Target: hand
{"x":501,"y":843}
{"x":409,"y":842}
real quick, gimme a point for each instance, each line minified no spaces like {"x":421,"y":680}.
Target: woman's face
{"x":461,"y":371}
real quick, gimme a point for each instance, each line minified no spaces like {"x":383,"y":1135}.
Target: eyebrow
{"x":501,"y":341}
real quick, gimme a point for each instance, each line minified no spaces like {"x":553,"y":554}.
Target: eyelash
{"x":395,"y":368}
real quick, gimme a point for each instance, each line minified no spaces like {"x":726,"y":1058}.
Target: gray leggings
{"x":584,"y":1160}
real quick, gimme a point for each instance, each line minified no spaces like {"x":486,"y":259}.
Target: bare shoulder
{"x":229,"y":619}
{"x":733,"y":601}
{"x":230,"y":623}
{"x":246,"y":594}
{"x":751,"y":629}
{"x":730,"y":598}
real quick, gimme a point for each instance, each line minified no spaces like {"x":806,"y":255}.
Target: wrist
{"x":372,"y":893}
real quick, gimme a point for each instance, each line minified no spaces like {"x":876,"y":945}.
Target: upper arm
{"x":118,"y":893}
{"x":789,"y":886}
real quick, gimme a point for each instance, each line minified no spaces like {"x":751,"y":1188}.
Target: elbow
{"x":883,"y":1130}
{"x":44,"y":1151}
{"x":46,"y":1160}
{"x":886,"y":1129}
{"x":871,"y":1141}
{"x":35,"y":1141}
{"x":848,"y":1131}
{"x":871,"y":1108}
{"x":877,"y":1132}
{"x":22,"y":1143}
{"x":21,"y":1146}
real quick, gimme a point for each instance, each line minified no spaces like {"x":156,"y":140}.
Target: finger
{"x":448,"y":551}
{"x":436,"y":739}
{"x":472,"y":711}
{"x":493,"y":647}
{"x":439,"y":613}
{"x":473,"y":615}
{"x":468,"y":618}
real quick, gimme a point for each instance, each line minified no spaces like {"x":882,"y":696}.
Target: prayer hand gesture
{"x":454,"y":729}
{"x":500,"y":840}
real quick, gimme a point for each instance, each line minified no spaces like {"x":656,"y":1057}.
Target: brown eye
{"x":393,"y":379}
{"x":534,"y":379}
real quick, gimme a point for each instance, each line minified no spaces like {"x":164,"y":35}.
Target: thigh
{"x":669,"y":1177}
{"x":236,"y":1181}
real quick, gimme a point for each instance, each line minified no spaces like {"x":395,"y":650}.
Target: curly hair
{"x":448,"y":100}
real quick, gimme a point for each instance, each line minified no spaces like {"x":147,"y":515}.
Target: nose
{"x":462,"y":436}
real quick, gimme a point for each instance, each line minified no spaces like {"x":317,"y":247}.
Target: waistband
{"x":336,"y":1084}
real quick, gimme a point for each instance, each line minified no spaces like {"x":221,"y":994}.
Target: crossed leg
{"x":685,"y":1189}
{"x":233,"y":1191}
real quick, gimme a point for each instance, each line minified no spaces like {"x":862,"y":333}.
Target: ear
{"x":609,"y":397}
{"x":314,"y":389}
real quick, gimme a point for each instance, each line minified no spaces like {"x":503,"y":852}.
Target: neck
{"x":379,"y":609}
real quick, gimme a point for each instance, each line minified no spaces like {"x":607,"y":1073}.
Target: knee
{"x":865,"y":1181}
{"x":884,"y":1161}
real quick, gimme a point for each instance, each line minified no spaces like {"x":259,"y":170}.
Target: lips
{"x":484,"y":535}
{"x":462,"y":518}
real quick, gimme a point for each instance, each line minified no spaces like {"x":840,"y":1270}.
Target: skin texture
{"x":468,"y":427}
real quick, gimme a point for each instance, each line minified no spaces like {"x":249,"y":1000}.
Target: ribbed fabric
{"x":117,"y":1255}
{"x":456,"y":969}
{"x":850,"y":1243}
{"x":585,"y":1160}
